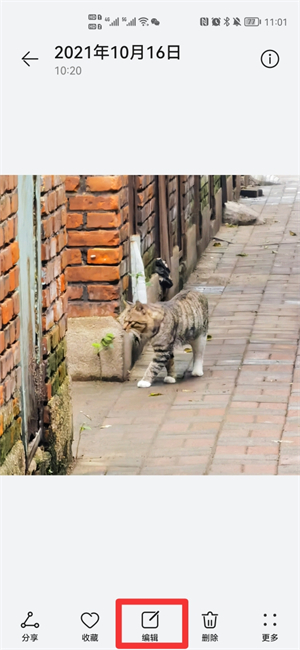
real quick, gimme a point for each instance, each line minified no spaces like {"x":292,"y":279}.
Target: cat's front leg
{"x":159,"y":361}
{"x":171,"y":374}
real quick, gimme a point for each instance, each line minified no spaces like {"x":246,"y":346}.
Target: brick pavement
{"x":241,"y":417}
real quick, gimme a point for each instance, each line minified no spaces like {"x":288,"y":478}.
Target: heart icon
{"x":90,"y":619}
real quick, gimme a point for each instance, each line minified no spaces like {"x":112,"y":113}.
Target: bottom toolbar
{"x":161,"y":623}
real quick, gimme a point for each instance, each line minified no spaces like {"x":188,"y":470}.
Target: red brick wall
{"x":54,"y":286}
{"x":10,"y":370}
{"x":98,"y":235}
{"x":98,"y":244}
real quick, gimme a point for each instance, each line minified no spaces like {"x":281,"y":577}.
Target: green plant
{"x":105,"y":343}
{"x":83,"y":427}
{"x":137,"y":275}
{"x":140,"y":275}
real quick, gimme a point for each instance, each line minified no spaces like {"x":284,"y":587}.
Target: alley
{"x":241,"y":417}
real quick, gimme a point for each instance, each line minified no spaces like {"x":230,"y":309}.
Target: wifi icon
{"x":143,"y":21}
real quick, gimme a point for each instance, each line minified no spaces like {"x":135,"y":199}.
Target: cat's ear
{"x":126,"y":303}
{"x":125,"y":306}
{"x":140,"y":307}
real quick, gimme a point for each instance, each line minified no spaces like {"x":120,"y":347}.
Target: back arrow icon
{"x":27,"y":58}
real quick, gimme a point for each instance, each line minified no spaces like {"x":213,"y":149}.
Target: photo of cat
{"x":149,"y":325}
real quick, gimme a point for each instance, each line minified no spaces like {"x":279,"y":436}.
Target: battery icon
{"x":252,"y":22}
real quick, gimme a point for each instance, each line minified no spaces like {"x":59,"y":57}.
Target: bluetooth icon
{"x":226,"y":22}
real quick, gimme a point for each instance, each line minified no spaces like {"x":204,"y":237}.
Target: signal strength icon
{"x":144,"y":21}
{"x":115,"y":23}
{"x":132,"y":23}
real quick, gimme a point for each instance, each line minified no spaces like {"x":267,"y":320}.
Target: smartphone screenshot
{"x":149,"y":325}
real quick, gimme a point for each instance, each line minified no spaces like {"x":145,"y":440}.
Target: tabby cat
{"x":183,"y":319}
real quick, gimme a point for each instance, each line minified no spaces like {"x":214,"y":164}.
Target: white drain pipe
{"x":137,"y":270}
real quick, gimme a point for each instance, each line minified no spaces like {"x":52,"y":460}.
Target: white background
{"x":76,"y":544}
{"x":215,"y":110}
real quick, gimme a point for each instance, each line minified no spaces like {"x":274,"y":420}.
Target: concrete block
{"x":84,"y":363}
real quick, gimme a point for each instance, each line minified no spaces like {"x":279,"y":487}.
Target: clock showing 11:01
{"x":276,"y":22}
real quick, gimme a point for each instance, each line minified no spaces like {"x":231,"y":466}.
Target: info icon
{"x":204,"y":22}
{"x":270,"y":58}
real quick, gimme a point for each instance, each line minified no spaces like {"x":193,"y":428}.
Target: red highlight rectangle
{"x":151,"y":601}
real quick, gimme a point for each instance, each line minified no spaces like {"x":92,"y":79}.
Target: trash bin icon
{"x":210,"y":620}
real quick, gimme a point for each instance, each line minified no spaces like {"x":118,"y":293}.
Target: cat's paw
{"x":197,"y":372}
{"x":169,"y":380}
{"x":143,"y":384}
